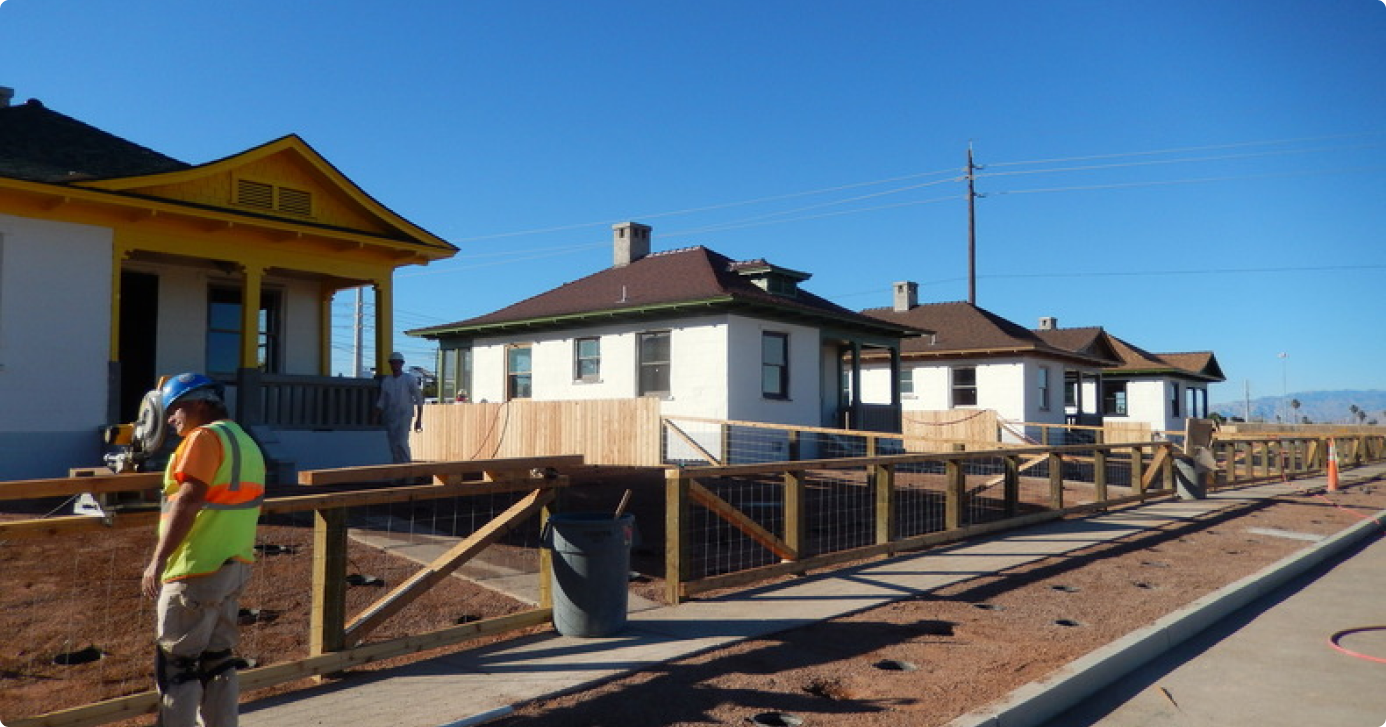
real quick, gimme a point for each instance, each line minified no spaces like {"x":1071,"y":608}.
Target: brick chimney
{"x":630,"y":242}
{"x":906,"y":296}
{"x":1049,"y":323}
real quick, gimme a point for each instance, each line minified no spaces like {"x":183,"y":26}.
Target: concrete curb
{"x":1037,"y":702}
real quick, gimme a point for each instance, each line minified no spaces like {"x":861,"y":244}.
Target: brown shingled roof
{"x":41,"y":145}
{"x":964,"y":329}
{"x":1199,"y":364}
{"x":676,"y":282}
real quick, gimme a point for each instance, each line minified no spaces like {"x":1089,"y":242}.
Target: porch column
{"x":249,"y":411}
{"x":250,"y":316}
{"x":895,"y":376}
{"x":855,"y":409}
{"x":113,"y":370}
{"x":325,"y":294}
{"x":384,"y":324}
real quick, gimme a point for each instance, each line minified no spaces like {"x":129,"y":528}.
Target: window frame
{"x":1046,"y":383}
{"x":776,"y":342}
{"x":960,"y":391}
{"x":269,"y":338}
{"x":647,"y":367}
{"x":595,"y":359}
{"x":513,"y":376}
{"x":1115,"y":401}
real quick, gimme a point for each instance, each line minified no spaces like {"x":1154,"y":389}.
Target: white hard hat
{"x":396,"y":356}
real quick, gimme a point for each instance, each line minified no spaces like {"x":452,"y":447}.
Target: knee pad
{"x":170,"y":670}
{"x":212,"y":664}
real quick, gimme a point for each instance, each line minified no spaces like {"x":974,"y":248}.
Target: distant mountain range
{"x":1322,"y":407}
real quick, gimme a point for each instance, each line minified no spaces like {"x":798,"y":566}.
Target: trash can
{"x":1189,"y":478}
{"x":591,"y":570}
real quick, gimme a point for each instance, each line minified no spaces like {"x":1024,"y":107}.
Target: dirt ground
{"x":925,"y":661}
{"x":919,"y":662}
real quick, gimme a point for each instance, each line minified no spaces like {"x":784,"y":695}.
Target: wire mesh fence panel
{"x":388,"y":544}
{"x":717,"y":545}
{"x":840,"y":512}
{"x":77,"y":628}
{"x":984,"y":490}
{"x":920,"y":493}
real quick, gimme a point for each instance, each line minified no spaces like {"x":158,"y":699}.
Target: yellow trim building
{"x":227,"y":267}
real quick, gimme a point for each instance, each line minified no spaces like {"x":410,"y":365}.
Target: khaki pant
{"x":198,"y":615}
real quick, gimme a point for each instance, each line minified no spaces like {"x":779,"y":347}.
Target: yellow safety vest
{"x":224,"y":529}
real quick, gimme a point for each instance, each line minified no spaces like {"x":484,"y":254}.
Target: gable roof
{"x":48,"y":155}
{"x":964,"y":330}
{"x":1090,"y":341}
{"x":41,"y":145}
{"x":1201,"y":365}
{"x":689,"y":281}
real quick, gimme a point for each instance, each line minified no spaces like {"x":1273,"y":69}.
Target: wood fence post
{"x":676,"y":538}
{"x":1138,"y":470}
{"x":1099,"y":474}
{"x":953,"y":514}
{"x":795,"y":512}
{"x":327,"y":622}
{"x":883,"y":480}
{"x":1056,"y":481}
{"x":545,"y":562}
{"x":1011,"y":486}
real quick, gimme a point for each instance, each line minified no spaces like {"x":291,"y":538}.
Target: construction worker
{"x":213,"y":488}
{"x":400,"y":400}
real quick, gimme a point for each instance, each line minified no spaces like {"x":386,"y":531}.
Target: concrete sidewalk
{"x":477,"y":685}
{"x":1270,"y":663}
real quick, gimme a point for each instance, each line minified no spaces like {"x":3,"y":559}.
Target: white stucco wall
{"x":1148,"y":401}
{"x":55,"y":288}
{"x":715,"y":368}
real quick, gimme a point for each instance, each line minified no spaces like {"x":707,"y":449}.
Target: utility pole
{"x":971,"y":229}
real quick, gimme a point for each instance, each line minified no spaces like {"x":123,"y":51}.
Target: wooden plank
{"x":690,"y":442}
{"x":738,"y":520}
{"x":416,"y":470}
{"x":406,"y":592}
{"x":1156,"y":467}
{"x":65,"y":486}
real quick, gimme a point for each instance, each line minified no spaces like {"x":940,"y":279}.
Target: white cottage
{"x":976,"y":359}
{"x":709,"y":336}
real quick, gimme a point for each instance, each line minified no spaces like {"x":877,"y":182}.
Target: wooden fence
{"x":765,"y":520}
{"x":728,"y":526}
{"x":622,"y":432}
{"x":336,"y":639}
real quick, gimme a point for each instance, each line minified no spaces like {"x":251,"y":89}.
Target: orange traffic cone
{"x":1332,"y":466}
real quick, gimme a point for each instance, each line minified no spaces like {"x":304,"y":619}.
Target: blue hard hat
{"x":182,"y":385}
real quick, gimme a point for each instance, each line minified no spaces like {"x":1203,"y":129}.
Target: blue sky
{"x":1190,"y":175}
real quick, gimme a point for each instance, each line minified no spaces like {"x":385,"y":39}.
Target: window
{"x":1114,"y":398}
{"x":224,"y":331}
{"x":1071,"y":385}
{"x":774,"y":365}
{"x":455,"y":376}
{"x":1174,"y":399}
{"x":654,"y":363}
{"x":587,"y":359}
{"x":1044,"y":388}
{"x":906,"y":382}
{"x":518,"y":375}
{"x":965,"y":386}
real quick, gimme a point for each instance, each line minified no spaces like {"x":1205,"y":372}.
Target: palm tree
{"x":1294,"y":404}
{"x":1353,"y":409}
